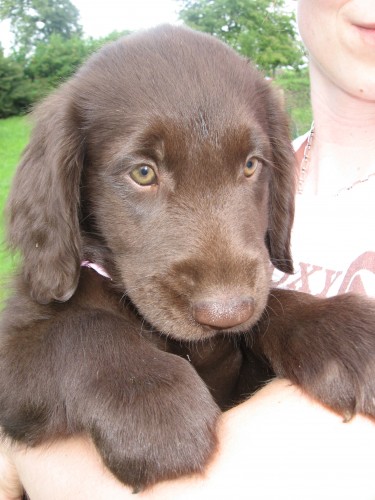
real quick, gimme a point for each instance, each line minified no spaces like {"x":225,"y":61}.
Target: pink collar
{"x":98,"y":268}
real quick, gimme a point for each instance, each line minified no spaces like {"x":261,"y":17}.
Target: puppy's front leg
{"x":148,"y":412}
{"x":326,"y":346}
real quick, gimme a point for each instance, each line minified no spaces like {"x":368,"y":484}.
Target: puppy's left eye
{"x":251,"y":166}
{"x":144,"y":175}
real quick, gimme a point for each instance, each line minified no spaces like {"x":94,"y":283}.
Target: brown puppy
{"x":166,"y":161}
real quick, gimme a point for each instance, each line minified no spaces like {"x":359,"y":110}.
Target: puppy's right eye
{"x":144,"y":175}
{"x":251,"y":166}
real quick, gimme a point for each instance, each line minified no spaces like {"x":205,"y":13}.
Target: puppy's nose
{"x":223,"y":313}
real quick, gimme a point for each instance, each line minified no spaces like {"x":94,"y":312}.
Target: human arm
{"x":278,"y":444}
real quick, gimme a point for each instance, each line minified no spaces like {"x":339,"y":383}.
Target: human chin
{"x":357,"y":78}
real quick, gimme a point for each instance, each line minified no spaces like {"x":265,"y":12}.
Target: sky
{"x":100,"y":17}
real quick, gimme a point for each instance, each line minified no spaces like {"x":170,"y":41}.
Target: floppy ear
{"x":42,"y":210}
{"x":282,"y":186}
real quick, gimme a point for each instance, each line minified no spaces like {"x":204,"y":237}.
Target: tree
{"x":35,"y":20}
{"x":259,"y":29}
{"x":16,"y":92}
{"x":54,"y":62}
{"x":25,"y":81}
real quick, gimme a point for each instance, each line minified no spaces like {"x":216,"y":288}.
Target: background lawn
{"x":14,"y":134}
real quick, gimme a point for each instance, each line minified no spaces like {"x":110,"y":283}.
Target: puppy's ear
{"x":42,"y":210}
{"x":282,"y":185}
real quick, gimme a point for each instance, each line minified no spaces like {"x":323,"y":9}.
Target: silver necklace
{"x":355,"y":183}
{"x":306,"y":161}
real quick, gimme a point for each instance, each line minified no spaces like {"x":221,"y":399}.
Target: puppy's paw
{"x":329,"y":351}
{"x":163,"y":430}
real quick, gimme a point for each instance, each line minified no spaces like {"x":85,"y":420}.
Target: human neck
{"x":344,"y":119}
{"x":344,"y":139}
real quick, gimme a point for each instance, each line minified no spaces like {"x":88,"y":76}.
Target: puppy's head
{"x":174,"y":153}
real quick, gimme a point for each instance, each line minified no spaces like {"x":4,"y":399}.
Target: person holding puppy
{"x":333,"y":244}
{"x":279,"y":444}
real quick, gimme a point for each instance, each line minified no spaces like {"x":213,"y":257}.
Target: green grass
{"x":14,"y":134}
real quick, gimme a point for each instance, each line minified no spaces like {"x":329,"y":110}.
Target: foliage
{"x":55,"y":61}
{"x":296,"y":88}
{"x":259,"y":29}
{"x":11,"y":86}
{"x":25,"y":81}
{"x":35,"y":23}
{"x":96,"y":43}
{"x":35,"y":20}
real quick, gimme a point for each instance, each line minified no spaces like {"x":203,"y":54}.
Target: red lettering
{"x":331,"y":277}
{"x":352,"y":281}
{"x":302,"y":282}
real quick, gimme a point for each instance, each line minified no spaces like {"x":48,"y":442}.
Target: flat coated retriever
{"x":157,"y":187}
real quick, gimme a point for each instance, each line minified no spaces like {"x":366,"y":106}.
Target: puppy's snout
{"x":223,"y":313}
